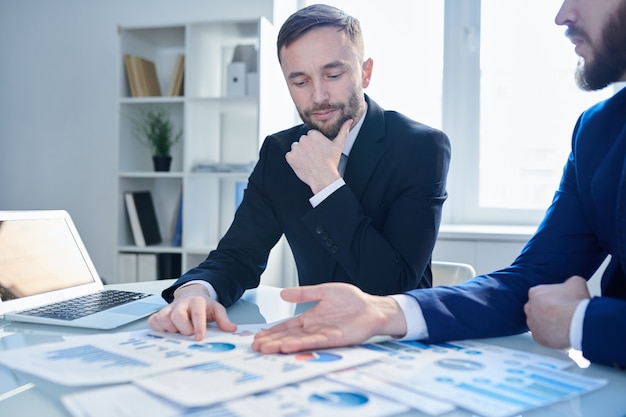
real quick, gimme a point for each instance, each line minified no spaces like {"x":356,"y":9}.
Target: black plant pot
{"x":162,"y":163}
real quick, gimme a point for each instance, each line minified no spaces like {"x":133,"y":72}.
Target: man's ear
{"x":368,"y":65}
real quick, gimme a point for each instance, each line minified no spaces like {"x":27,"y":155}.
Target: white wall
{"x":58,"y":101}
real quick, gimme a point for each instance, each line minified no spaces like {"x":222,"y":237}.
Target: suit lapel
{"x":368,"y":149}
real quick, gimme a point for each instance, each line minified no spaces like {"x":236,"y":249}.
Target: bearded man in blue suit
{"x":545,"y":289}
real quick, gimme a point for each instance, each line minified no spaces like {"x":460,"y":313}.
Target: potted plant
{"x":156,"y":131}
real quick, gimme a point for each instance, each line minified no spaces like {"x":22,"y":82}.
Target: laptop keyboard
{"x":85,"y":305}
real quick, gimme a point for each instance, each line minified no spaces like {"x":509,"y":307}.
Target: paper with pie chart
{"x":317,"y":397}
{"x":222,"y":380}
{"x":489,"y":380}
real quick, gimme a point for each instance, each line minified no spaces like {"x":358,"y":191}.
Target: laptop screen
{"x":38,"y":256}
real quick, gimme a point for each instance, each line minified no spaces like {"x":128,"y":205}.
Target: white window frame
{"x":461,"y":121}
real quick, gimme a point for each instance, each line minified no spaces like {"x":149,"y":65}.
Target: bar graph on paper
{"x":486,"y":379}
{"x":98,"y":359}
{"x":209,"y":383}
{"x":88,"y":354}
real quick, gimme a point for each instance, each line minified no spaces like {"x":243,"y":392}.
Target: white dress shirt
{"x":347,"y":147}
{"x":417,"y":330}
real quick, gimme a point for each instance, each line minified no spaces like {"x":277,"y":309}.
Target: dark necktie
{"x":342,"y":164}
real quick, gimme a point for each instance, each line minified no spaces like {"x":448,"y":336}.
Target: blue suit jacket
{"x":377,"y":231}
{"x":585,"y":223}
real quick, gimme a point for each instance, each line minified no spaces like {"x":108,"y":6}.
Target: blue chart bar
{"x":494,"y":395}
{"x":92,"y":354}
{"x":421,"y":346}
{"x":211,"y":367}
{"x":215,"y":411}
{"x":176,"y":354}
{"x":165,"y":351}
{"x":553,"y":385}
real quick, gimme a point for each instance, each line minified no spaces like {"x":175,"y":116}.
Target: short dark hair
{"x":318,"y":15}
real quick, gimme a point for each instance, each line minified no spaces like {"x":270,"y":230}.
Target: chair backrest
{"x":451,"y":273}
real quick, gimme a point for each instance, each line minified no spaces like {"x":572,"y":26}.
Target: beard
{"x":608,"y":63}
{"x":347,"y":110}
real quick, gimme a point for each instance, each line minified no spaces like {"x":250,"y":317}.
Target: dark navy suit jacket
{"x":377,"y":231}
{"x":585,"y":223}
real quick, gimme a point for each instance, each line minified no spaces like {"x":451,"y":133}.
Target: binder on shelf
{"x":176,"y":85}
{"x":146,"y":267}
{"x":242,"y":79}
{"x":142,"y":218}
{"x":169,"y":265}
{"x":236,"y":79}
{"x":126,"y":268}
{"x":138,"y":267}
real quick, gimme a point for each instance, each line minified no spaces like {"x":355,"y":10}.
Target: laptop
{"x":43,"y":263}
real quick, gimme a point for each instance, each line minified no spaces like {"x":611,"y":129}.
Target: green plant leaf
{"x":156,"y":130}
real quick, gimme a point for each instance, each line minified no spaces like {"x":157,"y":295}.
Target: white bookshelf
{"x":217,"y":128}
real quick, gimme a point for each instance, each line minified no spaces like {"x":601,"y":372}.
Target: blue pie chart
{"x":212,"y":347}
{"x":339,"y":399}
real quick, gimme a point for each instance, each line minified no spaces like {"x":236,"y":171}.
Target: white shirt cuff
{"x":576,"y":326}
{"x":322,"y":195}
{"x":415,"y":323}
{"x":209,"y":287}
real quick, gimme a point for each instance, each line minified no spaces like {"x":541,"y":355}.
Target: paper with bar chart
{"x":222,"y":369}
{"x":212,"y":382}
{"x":120,"y":357}
{"x":486,"y":379}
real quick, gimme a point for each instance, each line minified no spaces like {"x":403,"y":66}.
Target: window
{"x":405,"y":40}
{"x":498,"y":77}
{"x":529,"y":104}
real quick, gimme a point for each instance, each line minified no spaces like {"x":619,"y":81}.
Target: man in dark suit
{"x":544,"y":290}
{"x":373,"y":226}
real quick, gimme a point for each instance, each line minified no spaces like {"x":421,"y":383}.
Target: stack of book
{"x":142,"y":77}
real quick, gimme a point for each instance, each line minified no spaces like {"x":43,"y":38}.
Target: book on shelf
{"x":176,"y":85}
{"x":177,"y":236}
{"x":149,"y":78}
{"x":142,"y":76}
{"x":134,"y":77}
{"x":130,"y":76}
{"x":142,"y":218}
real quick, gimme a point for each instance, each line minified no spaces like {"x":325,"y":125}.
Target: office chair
{"x":451,"y":273}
